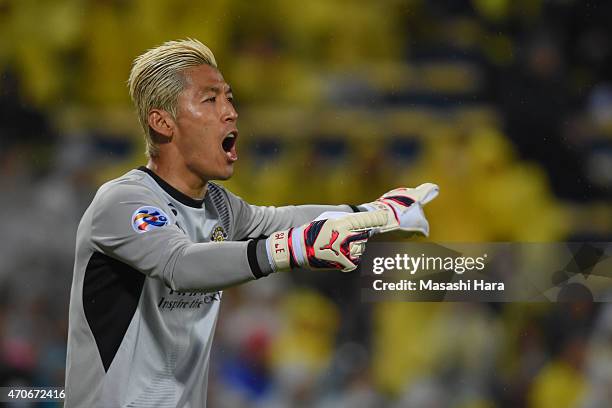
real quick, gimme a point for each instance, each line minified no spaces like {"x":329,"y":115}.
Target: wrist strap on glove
{"x":324,"y":244}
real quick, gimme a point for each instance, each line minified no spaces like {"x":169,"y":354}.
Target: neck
{"x":180,"y":178}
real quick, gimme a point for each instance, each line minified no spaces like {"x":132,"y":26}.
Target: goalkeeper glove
{"x":404,"y":207}
{"x":324,"y":244}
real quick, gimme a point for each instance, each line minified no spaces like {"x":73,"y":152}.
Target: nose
{"x":229,"y":112}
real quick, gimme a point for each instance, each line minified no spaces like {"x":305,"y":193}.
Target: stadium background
{"x":507,"y":105}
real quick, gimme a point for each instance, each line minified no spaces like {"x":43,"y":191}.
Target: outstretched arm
{"x":253,"y":221}
{"x":404,"y":206}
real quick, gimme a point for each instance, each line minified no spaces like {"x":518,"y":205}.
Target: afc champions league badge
{"x":218,"y":234}
{"x":147,"y":218}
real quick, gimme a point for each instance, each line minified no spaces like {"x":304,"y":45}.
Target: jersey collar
{"x":174,"y":193}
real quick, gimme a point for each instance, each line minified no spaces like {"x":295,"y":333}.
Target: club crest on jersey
{"x":218,"y":234}
{"x":147,"y":218}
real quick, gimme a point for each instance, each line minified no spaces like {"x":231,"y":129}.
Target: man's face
{"x":206,"y":132}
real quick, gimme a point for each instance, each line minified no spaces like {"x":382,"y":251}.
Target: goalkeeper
{"x":157,"y":246}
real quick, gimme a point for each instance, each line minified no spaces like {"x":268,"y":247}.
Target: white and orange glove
{"x":405,"y":208}
{"x":324,"y":243}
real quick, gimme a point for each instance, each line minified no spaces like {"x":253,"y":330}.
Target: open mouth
{"x":229,"y":141}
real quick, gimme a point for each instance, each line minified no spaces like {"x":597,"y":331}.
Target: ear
{"x":162,"y":123}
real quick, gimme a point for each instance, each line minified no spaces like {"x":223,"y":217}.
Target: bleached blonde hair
{"x":157,"y":79}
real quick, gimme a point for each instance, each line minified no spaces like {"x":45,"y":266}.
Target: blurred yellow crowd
{"x":80,"y":51}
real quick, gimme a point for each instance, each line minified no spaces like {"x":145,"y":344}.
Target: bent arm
{"x":226,"y":264}
{"x":165,"y":252}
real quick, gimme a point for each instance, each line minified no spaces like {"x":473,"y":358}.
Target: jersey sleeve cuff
{"x":258,"y":258}
{"x":355,"y":208}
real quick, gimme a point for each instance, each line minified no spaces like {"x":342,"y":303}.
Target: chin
{"x":223,"y":178}
{"x":226,"y":175}
{"x":220,"y":173}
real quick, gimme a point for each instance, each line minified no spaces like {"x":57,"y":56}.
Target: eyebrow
{"x":215,"y":89}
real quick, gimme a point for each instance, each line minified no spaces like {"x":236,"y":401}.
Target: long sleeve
{"x":252,"y":221}
{"x":163,"y":251}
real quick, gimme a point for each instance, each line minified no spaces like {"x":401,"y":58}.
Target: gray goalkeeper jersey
{"x":149,"y":271}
